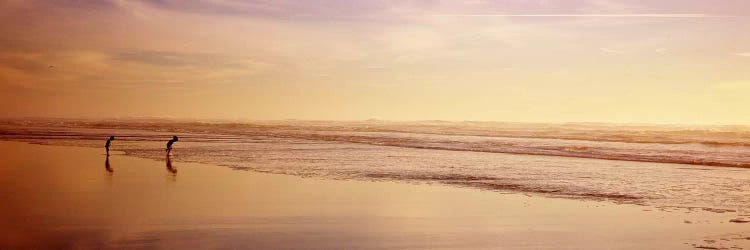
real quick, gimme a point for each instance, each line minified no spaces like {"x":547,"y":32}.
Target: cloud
{"x":657,"y":15}
{"x":168,"y":58}
{"x":67,"y":4}
{"x":612,"y":51}
{"x":279,"y":9}
{"x":25,"y":62}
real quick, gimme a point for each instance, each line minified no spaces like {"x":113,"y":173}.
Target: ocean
{"x":664,"y":166}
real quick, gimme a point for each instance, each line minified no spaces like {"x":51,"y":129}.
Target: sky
{"x":637,"y":61}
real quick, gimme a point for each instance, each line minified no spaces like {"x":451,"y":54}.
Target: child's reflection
{"x":107,"y":166}
{"x":170,"y":168}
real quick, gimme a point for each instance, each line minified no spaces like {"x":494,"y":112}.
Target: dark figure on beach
{"x":169,"y":144}
{"x":106,"y":146}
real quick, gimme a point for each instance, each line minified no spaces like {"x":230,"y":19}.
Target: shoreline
{"x":572,"y":152}
{"x":278,"y":149}
{"x":613,"y":198}
{"x":63,"y":197}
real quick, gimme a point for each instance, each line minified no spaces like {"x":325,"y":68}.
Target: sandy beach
{"x":66,"y":197}
{"x":375,"y":124}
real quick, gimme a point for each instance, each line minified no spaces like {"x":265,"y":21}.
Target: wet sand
{"x":66,"y":197}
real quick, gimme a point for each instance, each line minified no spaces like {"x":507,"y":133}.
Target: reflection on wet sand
{"x":170,"y":168}
{"x":107,"y":166}
{"x":214,"y":207}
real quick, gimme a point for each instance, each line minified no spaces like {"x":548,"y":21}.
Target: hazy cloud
{"x":418,"y":59}
{"x":170,"y":58}
{"x":658,"y":15}
{"x":612,"y":51}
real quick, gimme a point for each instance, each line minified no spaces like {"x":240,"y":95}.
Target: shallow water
{"x":651,"y":165}
{"x":59,"y":197}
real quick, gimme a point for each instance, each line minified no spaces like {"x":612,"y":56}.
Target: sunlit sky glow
{"x":638,"y":61}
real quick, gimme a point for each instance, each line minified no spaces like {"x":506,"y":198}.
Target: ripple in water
{"x":644,"y":172}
